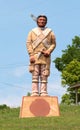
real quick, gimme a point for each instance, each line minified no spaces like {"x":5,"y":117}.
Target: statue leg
{"x":43,"y":82}
{"x":35,"y":81}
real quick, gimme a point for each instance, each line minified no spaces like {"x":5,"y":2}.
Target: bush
{"x":4,"y":106}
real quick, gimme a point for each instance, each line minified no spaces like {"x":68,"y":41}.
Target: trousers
{"x":39,"y":78}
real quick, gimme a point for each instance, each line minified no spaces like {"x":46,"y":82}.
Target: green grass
{"x":69,"y":119}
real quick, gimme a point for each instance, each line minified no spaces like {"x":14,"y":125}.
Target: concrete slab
{"x":39,"y":106}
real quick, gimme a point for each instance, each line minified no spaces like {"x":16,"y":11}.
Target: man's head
{"x":41,"y":21}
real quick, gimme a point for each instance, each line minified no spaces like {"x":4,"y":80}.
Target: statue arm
{"x":29,"y":44}
{"x":53,"y":42}
{"x":30,"y":48}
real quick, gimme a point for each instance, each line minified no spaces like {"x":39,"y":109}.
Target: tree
{"x":4,"y":106}
{"x":72,"y":52}
{"x":69,"y":66}
{"x":71,"y":73}
{"x":67,"y":99}
{"x":28,"y":94}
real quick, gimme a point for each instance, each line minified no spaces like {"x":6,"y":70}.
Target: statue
{"x":40,"y":44}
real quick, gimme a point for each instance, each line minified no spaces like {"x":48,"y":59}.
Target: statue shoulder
{"x":48,"y":29}
{"x":36,"y":31}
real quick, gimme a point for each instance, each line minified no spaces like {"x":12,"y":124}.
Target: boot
{"x":43,"y":89}
{"x":35,"y":91}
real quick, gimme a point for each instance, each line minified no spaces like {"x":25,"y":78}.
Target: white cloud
{"x":11,"y":101}
{"x":56,"y":89}
{"x":13,"y":97}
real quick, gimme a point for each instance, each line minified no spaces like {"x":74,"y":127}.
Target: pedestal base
{"x":39,"y":106}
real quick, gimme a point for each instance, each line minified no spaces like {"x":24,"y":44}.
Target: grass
{"x":69,"y":119}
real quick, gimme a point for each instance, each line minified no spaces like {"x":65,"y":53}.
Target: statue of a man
{"x":40,"y":44}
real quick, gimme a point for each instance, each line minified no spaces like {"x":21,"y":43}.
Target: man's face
{"x":41,"y":21}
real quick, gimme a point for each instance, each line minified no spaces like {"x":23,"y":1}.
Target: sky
{"x":15,"y":23}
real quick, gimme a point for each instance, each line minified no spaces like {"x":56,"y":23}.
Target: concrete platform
{"x":39,"y":106}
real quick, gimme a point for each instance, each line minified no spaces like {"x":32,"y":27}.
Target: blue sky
{"x":15,"y":23}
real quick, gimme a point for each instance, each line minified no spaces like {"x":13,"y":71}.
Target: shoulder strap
{"x":40,"y":36}
{"x":36,"y":31}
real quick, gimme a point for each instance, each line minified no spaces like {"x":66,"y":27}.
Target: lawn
{"x":69,"y":119}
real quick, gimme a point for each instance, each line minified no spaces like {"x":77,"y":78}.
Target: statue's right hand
{"x":32,"y":59}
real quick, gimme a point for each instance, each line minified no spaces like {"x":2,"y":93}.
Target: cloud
{"x":14,"y":96}
{"x":17,"y":90}
{"x":15,"y":93}
{"x":55,"y":89}
{"x":11,"y":101}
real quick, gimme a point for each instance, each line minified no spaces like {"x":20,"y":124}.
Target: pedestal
{"x":39,"y":106}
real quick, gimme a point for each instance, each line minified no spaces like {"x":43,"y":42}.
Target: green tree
{"x":69,"y":66}
{"x":71,"y":73}
{"x":67,"y":99}
{"x":72,"y":52}
{"x":28,"y":94}
{"x":4,"y":106}
{"x":71,"y":76}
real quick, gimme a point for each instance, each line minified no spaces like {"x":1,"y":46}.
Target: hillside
{"x":69,"y":120}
